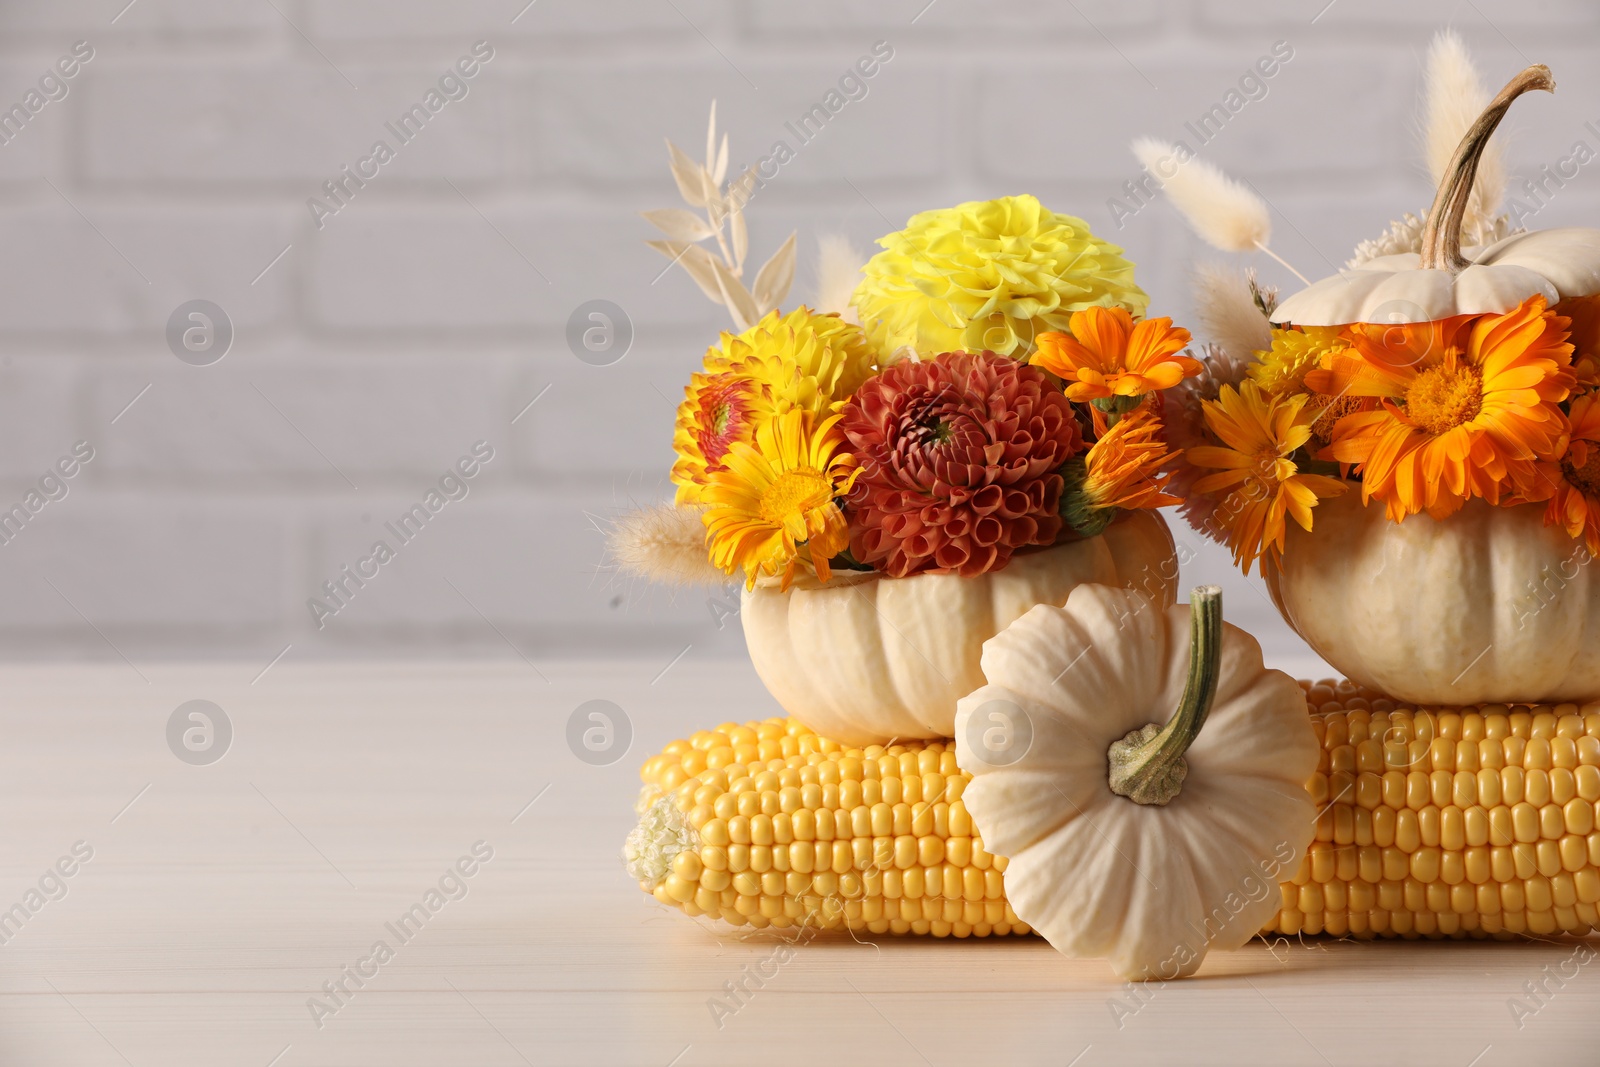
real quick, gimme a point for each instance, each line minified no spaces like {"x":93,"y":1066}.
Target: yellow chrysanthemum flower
{"x":991,"y":274}
{"x":1294,"y":352}
{"x":801,"y":360}
{"x":772,"y":502}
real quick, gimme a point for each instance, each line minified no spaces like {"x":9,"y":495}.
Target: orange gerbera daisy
{"x":772,"y":502}
{"x":1110,"y":358}
{"x":1258,"y":482}
{"x":1121,"y":470}
{"x":1576,"y":503}
{"x":1469,"y":407}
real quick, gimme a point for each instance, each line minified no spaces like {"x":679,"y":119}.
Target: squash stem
{"x":1148,"y":766}
{"x":1441,"y":234}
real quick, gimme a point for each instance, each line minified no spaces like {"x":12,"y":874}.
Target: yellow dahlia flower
{"x":801,"y":360}
{"x":772,"y":502}
{"x":989,"y":275}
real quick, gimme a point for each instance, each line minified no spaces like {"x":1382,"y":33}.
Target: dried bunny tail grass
{"x":1229,"y":317}
{"x":1223,"y":211}
{"x":1226,"y":213}
{"x":1453,"y":98}
{"x":665,"y":543}
{"x":838,"y":274}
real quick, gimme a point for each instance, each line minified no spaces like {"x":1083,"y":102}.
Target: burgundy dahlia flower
{"x":960,"y":458}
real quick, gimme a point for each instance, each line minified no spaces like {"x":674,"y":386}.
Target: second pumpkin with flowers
{"x":1425,"y":416}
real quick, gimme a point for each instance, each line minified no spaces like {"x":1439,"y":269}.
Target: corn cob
{"x":1433,"y":822}
{"x":1439,"y":822}
{"x":768,"y":824}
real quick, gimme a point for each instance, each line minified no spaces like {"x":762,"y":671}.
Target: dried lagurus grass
{"x":1226,"y":213}
{"x":838,"y":274}
{"x":1225,"y":303}
{"x":1454,"y":97}
{"x":665,"y":543}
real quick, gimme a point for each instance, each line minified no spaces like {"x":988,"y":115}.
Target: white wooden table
{"x":219,"y":899}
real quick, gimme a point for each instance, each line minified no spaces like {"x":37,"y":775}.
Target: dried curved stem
{"x":1441,"y":234}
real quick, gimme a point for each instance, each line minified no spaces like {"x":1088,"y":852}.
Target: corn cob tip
{"x":649,"y":793}
{"x":653,"y":845}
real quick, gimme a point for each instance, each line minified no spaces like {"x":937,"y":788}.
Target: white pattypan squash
{"x":863,"y":658}
{"x":1131,"y":838}
{"x":1440,"y":281}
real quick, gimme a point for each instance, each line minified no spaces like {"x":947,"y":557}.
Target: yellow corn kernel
{"x":1563,"y":784}
{"x":1536,"y":787}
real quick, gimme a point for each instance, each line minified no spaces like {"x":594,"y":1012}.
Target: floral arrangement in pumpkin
{"x":1424,"y":416}
{"x":1419,"y":414}
{"x":985,"y":385}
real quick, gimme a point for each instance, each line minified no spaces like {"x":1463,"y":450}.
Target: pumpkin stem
{"x":1441,"y":234}
{"x":1147,"y":766}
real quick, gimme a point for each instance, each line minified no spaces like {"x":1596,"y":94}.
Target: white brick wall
{"x":427,"y":313}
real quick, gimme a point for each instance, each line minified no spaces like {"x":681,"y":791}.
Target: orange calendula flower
{"x":772,"y":501}
{"x":1469,"y":407}
{"x":1108,"y":356}
{"x":1121,"y":470}
{"x":1576,"y":503}
{"x":1257,"y":481}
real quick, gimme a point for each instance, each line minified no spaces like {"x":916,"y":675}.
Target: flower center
{"x":1586,"y":477}
{"x":937,"y":431}
{"x":1332,"y":411}
{"x":795,"y":493}
{"x":1444,"y":397}
{"x":1265,"y":463}
{"x":721,"y":418}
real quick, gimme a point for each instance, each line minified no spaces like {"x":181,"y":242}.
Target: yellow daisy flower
{"x":772,"y":502}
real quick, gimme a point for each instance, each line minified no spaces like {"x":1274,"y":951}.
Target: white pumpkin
{"x":1441,"y":281}
{"x":863,"y":658}
{"x":1487,"y":606}
{"x":1142,"y":845}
